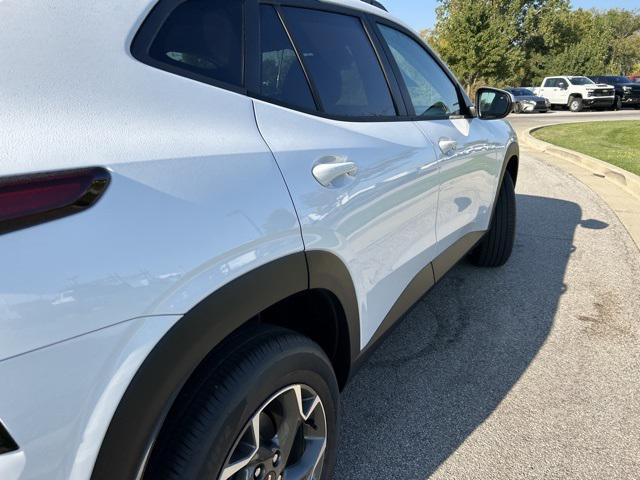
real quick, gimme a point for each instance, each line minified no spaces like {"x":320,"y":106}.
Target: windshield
{"x":616,"y":79}
{"x":521,"y":92}
{"x":580,"y":81}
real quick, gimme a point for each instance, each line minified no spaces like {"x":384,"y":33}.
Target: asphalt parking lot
{"x":528,"y":371}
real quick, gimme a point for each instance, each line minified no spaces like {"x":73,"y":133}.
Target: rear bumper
{"x":62,"y":398}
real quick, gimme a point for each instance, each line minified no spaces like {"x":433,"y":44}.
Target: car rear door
{"x":364,"y":183}
{"x":466,"y":148}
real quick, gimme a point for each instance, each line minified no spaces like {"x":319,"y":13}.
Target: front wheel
{"x":496,"y":246}
{"x":265,"y":408}
{"x":575,"y":104}
{"x":617,"y":103}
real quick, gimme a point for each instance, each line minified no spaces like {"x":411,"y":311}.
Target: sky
{"x":420,"y":14}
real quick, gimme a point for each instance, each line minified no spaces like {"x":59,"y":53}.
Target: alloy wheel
{"x":284,"y":440}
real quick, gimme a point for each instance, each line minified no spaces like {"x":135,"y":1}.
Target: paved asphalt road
{"x":528,"y":371}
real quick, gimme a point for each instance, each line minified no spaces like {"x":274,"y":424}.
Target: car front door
{"x":549,"y":90}
{"x":561,"y":92}
{"x":466,"y":147}
{"x":364,"y":183}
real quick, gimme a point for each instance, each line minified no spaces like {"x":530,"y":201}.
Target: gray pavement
{"x":528,"y":371}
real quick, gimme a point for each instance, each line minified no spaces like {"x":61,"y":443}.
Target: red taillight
{"x":28,"y":200}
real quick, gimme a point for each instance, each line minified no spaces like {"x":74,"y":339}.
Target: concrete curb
{"x":626,"y":180}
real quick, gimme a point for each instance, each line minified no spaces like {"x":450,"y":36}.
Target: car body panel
{"x":171,"y":145}
{"x":469,"y":175}
{"x":381,"y":223}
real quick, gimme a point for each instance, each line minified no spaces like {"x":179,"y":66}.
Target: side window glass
{"x":282,"y":77}
{"x":203,"y":37}
{"x":432,"y":93}
{"x":342,"y":63}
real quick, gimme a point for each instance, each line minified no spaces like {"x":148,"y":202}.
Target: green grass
{"x":617,"y":143}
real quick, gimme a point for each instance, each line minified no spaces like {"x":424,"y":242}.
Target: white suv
{"x":210,"y":210}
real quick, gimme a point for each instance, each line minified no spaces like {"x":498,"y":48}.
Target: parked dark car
{"x":524,"y":100}
{"x":627,"y":92}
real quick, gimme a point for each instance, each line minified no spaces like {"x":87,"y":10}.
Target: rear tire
{"x":575,"y":104}
{"x":254,"y":379}
{"x":496,"y":246}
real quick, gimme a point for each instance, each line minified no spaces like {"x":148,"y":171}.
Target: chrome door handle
{"x":447,"y":146}
{"x":327,"y":173}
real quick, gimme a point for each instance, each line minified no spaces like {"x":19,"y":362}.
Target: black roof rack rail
{"x":375,"y":3}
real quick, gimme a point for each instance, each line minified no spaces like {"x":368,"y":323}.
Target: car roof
{"x":364,"y":6}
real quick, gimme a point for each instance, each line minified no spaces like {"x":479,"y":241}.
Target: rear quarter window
{"x":200,"y":39}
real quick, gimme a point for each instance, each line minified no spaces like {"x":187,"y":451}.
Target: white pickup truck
{"x":576,"y":92}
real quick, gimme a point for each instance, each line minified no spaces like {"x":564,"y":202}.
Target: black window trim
{"x":394,"y":90}
{"x":463,"y":100}
{"x":310,"y":82}
{"x":151,"y":26}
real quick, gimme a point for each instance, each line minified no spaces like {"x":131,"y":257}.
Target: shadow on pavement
{"x":458,"y":353}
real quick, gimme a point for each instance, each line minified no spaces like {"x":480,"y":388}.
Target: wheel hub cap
{"x":285,"y":439}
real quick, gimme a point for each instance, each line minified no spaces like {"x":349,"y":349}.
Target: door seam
{"x":286,"y":186}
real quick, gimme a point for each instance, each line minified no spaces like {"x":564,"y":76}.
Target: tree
{"x":478,"y":39}
{"x":518,"y":42}
{"x":625,"y":48}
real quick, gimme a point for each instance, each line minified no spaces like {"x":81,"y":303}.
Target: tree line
{"x":519,"y":42}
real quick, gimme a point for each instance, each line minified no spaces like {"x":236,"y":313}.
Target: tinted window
{"x":203,"y":37}
{"x":551,"y":82}
{"x":282,"y":77}
{"x":432,"y":93}
{"x":342,"y":63}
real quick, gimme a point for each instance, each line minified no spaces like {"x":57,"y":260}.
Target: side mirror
{"x":493,"y":104}
{"x":563,"y":86}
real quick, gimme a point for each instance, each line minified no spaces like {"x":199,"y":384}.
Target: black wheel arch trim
{"x":328,"y":272}
{"x":511,"y":165}
{"x":141,"y":414}
{"x":166,"y":369}
{"x":513,"y":152}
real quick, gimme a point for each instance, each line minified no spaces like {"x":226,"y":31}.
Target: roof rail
{"x":375,"y":3}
